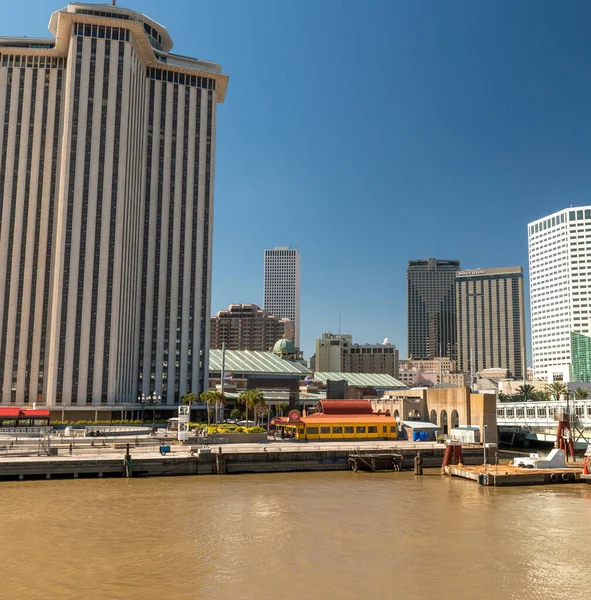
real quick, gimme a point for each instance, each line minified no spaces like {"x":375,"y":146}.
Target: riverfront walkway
{"x":151,"y":448}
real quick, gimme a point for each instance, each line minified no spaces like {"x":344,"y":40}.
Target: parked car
{"x":245,"y":423}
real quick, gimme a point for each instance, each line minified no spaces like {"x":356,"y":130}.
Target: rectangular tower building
{"x":491,"y":320}
{"x":560,"y":294}
{"x":431,"y":299}
{"x":282,"y":285}
{"x":248,"y":327}
{"x":107,"y":145}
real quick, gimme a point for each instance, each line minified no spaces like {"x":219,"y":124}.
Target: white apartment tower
{"x":282,"y":285}
{"x":107,"y":146}
{"x":560,"y":291}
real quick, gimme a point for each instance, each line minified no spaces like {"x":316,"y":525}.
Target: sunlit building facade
{"x":107,"y":146}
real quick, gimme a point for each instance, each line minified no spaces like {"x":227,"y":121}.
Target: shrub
{"x":256,"y":429}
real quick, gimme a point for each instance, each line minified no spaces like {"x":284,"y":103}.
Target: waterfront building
{"x":248,"y":327}
{"x":431,"y":300}
{"x":338,"y":420}
{"x":490,"y":316}
{"x":448,"y":407}
{"x":282,"y":285}
{"x":560,"y":294}
{"x":107,"y":147}
{"x":337,"y":352}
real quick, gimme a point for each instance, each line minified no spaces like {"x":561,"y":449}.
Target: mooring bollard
{"x":418,"y":464}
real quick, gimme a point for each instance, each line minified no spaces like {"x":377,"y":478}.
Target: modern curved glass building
{"x":107,"y":152}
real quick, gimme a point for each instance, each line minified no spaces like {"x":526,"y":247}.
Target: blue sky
{"x":370,"y":133}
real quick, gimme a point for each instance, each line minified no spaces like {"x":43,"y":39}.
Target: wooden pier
{"x":383,"y":461}
{"x":508,"y":475}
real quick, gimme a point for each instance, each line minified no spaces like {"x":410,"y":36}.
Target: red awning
{"x":34,"y":413}
{"x":9,"y":412}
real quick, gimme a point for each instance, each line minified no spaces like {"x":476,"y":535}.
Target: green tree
{"x":283,"y":408}
{"x":557,"y":389}
{"x":235,"y":413}
{"x":581,"y":393}
{"x":189,"y":398}
{"x":526,"y":391}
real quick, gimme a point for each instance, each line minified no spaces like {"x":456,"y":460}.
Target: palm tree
{"x":251,"y":399}
{"x":541,"y":396}
{"x":581,"y":393}
{"x":283,"y":407}
{"x":243,"y":399}
{"x":189,"y":398}
{"x":557,"y":389}
{"x":219,"y":400}
{"x":526,"y":391}
{"x":212,"y":397}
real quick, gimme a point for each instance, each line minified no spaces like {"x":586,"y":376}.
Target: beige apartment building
{"x":248,"y":327}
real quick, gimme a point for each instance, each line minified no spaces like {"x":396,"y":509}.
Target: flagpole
{"x":223,"y":373}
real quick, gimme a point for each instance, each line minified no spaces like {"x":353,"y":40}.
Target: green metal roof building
{"x":374,"y":380}
{"x":252,"y":362}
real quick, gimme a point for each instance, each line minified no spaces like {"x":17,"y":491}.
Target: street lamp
{"x":151,"y":399}
{"x":484,"y":445}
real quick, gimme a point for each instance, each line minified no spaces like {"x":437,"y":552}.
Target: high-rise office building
{"x":248,"y":327}
{"x":560,"y":294}
{"x":282,"y":285}
{"x":431,"y":298}
{"x":490,"y":317}
{"x":107,"y":145}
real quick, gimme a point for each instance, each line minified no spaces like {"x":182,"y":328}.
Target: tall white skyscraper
{"x":107,"y":145}
{"x":282,"y":285}
{"x":560,"y":293}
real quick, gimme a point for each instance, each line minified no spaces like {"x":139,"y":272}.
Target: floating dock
{"x":507,"y":475}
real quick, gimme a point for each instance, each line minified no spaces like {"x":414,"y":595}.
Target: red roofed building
{"x":338,"y":420}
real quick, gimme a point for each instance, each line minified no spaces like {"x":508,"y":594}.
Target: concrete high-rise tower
{"x":560,"y":294}
{"x":107,"y":146}
{"x":431,"y":298}
{"x":491,"y":320}
{"x":282,"y":285}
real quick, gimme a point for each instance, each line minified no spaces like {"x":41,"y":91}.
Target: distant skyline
{"x":372,"y":133}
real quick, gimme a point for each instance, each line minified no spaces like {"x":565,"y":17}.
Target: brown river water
{"x":293,"y":536}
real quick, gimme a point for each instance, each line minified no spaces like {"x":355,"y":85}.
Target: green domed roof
{"x":284,"y":346}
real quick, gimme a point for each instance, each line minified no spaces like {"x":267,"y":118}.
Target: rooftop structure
{"x":375,"y":380}
{"x":246,"y":361}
